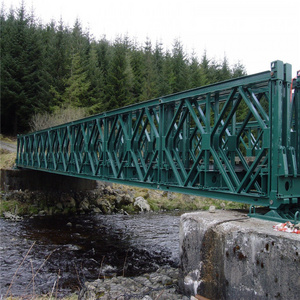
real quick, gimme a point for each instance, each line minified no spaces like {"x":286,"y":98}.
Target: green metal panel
{"x":236,"y":140}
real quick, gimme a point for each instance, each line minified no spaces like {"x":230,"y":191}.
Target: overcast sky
{"x":254,"y":32}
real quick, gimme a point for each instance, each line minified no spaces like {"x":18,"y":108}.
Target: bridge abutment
{"x":25,"y":179}
{"x":226,"y":255}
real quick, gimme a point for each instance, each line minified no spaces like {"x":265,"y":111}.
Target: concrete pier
{"x":226,"y":255}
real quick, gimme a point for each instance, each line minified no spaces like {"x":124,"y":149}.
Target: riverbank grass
{"x":7,"y":139}
{"x":7,"y":159}
{"x":169,"y":201}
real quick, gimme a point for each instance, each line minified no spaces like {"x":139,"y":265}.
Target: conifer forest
{"x":47,"y":67}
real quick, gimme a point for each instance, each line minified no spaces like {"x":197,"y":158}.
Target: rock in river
{"x":142,"y":204}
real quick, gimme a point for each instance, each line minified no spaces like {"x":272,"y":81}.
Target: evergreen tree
{"x":104,"y":53}
{"x":168,"y":78}
{"x":238,"y":70}
{"x":24,"y":85}
{"x":158,"y":63}
{"x":47,"y":38}
{"x":149,"y":89}
{"x":206,"y":70}
{"x":137,"y":64}
{"x":224,"y":72}
{"x":59,"y":57}
{"x":80,"y":41}
{"x":180,"y":68}
{"x":9,"y":85}
{"x":37,"y":77}
{"x":197,"y":77}
{"x":120,"y":77}
{"x":96,"y":79}
{"x":77,"y":85}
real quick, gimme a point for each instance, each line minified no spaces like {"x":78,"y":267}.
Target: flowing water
{"x":58,"y":254}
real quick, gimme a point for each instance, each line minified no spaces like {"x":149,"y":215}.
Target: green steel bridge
{"x":236,"y":140}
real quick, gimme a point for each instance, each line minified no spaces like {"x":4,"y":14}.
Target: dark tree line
{"x":45,"y":67}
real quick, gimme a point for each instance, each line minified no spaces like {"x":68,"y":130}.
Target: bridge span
{"x":236,"y":140}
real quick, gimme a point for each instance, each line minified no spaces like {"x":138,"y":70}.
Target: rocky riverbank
{"x":105,"y":200}
{"x":162,"y":285}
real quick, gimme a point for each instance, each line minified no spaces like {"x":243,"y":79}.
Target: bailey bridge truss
{"x":236,"y":140}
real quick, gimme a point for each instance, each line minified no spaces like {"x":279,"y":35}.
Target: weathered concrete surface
{"x":22,"y":179}
{"x":226,"y":255}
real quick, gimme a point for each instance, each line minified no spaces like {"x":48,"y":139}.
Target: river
{"x":59,"y":253}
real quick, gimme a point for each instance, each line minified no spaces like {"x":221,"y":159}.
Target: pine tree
{"x":59,"y":56}
{"x":158,"y":61}
{"x":238,"y":70}
{"x":120,"y":77}
{"x":224,"y":72}
{"x":180,"y":69}
{"x":167,"y":83}
{"x":37,"y":76}
{"x":104,"y":51}
{"x":80,"y":41}
{"x":24,"y":88}
{"x":206,"y":70}
{"x":104,"y":54}
{"x":197,"y":77}
{"x":9,"y":85}
{"x":137,"y":63}
{"x":77,"y":85}
{"x":149,"y":89}
{"x":96,"y":78}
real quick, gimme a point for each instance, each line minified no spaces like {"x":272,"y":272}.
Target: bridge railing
{"x":236,"y":140}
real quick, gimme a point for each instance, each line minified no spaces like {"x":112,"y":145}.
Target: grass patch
{"x":168,"y":201}
{"x":7,"y":159}
{"x":17,"y":207}
{"x":11,"y":140}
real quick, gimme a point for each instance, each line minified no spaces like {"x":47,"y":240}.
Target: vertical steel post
{"x":286,"y":111}
{"x":275,"y":109}
{"x":105,"y":147}
{"x":296,"y":100}
{"x":208,"y":112}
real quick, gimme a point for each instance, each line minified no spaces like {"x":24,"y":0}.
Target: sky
{"x":252,"y":32}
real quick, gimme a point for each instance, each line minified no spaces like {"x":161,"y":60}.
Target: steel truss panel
{"x":236,"y":140}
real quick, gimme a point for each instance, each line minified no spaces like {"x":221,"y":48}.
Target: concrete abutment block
{"x":227,"y":255}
